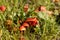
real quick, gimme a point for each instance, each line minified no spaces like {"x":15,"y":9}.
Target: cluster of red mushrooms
{"x":28,"y":22}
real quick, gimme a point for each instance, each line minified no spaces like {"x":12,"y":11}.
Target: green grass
{"x":47,"y":29}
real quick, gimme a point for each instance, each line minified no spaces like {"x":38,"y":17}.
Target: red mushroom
{"x":42,"y":8}
{"x":22,"y":28}
{"x":2,"y":8}
{"x":26,"y":7}
{"x":31,"y":21}
{"x":25,"y":25}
